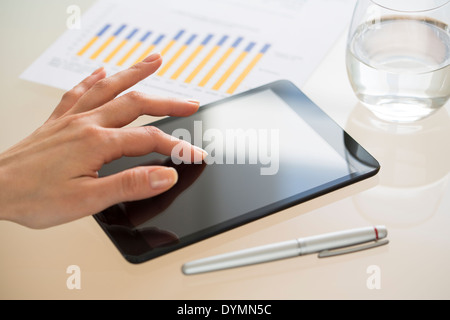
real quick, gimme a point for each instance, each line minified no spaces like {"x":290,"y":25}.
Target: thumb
{"x":134,"y":184}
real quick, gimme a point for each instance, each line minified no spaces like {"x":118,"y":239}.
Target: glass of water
{"x":398,"y":57}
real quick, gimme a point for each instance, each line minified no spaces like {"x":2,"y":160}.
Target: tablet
{"x":269,"y":148}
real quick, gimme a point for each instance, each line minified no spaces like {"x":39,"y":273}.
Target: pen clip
{"x":336,"y":252}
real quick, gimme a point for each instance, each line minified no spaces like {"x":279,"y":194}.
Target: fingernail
{"x":196,"y":102}
{"x":200,"y":152}
{"x":153,"y":57}
{"x":97,"y":71}
{"x":163,"y":178}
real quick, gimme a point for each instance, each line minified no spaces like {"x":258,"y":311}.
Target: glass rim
{"x":377,"y":2}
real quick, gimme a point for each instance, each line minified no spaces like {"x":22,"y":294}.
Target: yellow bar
{"x":216,"y":67}
{"x":172,"y":60}
{"x":244,"y":73}
{"x":128,"y":55}
{"x":115,"y":51}
{"x":103,"y":47}
{"x":230,"y":70}
{"x":167,"y":48}
{"x":202,"y":64}
{"x":87,"y":46}
{"x":145,"y":54}
{"x":187,"y":62}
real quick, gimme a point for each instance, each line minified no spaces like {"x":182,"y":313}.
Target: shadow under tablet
{"x":315,"y":156}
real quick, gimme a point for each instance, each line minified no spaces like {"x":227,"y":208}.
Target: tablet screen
{"x":268,"y":149}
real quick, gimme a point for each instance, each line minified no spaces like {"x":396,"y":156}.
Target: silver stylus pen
{"x":321,"y":244}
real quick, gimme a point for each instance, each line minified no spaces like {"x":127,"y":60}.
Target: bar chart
{"x":210,"y":49}
{"x":216,"y":62}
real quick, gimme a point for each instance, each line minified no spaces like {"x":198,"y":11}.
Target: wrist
{"x":6,"y":192}
{"x":3,"y":186}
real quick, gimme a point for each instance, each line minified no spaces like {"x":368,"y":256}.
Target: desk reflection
{"x":415,"y":161}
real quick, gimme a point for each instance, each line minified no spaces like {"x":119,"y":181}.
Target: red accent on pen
{"x":376,"y":233}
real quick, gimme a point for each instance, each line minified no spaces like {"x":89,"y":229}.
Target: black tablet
{"x":269,"y":148}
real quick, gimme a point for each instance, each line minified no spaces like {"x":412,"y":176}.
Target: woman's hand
{"x":51,"y":178}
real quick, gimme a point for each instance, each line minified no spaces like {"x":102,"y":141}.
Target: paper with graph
{"x":211,"y":49}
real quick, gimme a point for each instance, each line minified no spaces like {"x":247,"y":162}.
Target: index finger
{"x":107,"y":89}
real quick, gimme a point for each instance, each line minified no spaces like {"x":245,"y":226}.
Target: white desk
{"x":411,"y":196}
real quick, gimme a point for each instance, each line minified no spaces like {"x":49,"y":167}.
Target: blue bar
{"x":158,"y":40}
{"x":120,"y":30}
{"x":236,"y":43}
{"x":265,"y":48}
{"x":205,"y":42}
{"x":249,"y":47}
{"x":132,"y":34}
{"x":105,"y":28}
{"x":222,"y":41}
{"x":179,"y":34}
{"x":145,"y":36}
{"x":191,"y":39}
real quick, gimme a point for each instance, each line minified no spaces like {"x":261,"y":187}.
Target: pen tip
{"x":381,"y":232}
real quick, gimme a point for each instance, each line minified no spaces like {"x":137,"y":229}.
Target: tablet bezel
{"x":365,"y":166}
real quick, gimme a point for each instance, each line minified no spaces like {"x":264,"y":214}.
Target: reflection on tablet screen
{"x":263,"y":156}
